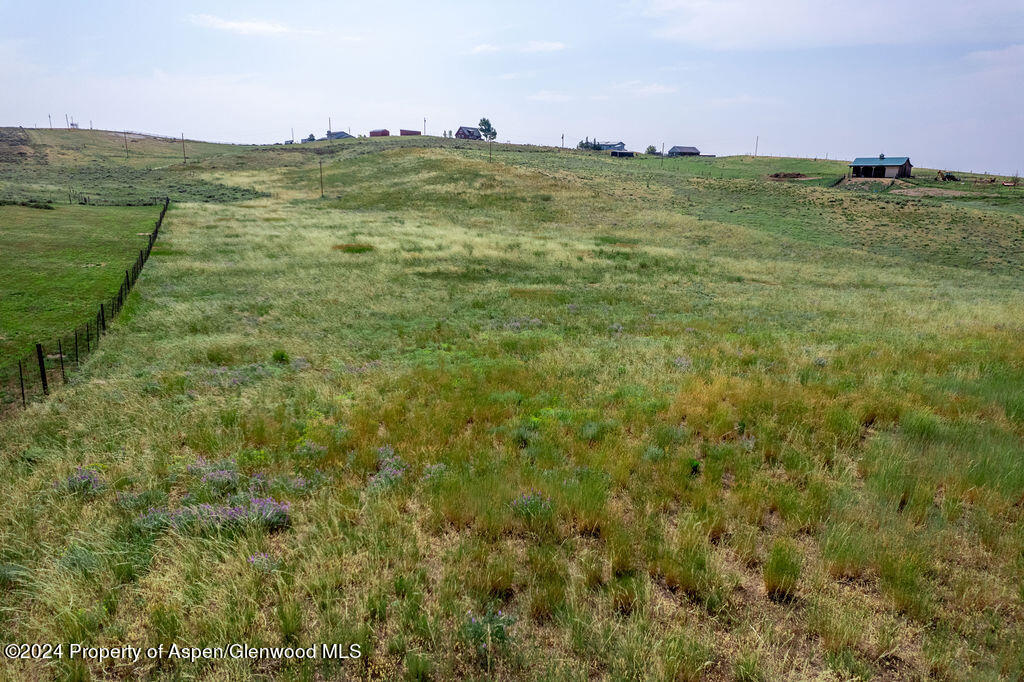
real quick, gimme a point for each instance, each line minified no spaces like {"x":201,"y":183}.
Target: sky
{"x":937,"y":80}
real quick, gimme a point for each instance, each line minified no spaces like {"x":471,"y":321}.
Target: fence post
{"x":103,"y":323}
{"x":87,"y":349}
{"x":60,"y":353}
{"x":42,"y":368}
{"x":77,"y":363}
{"x":21,"y":379}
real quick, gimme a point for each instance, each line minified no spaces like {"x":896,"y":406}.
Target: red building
{"x":403,"y":131}
{"x":380,"y":132}
{"x":467,"y":133}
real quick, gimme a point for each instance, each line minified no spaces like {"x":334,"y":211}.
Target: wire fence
{"x":48,"y":365}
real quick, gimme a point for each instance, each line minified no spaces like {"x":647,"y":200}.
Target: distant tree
{"x":486,"y":129}
{"x":311,"y":138}
{"x":651,"y":149}
{"x":587,"y":144}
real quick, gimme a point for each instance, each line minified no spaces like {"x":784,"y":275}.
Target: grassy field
{"x":549,"y":416}
{"x":59,"y":264}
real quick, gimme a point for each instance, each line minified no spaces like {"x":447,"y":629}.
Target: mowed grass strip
{"x":59,"y":264}
{"x":554,"y":425}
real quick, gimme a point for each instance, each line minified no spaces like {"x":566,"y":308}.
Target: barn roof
{"x":469,"y":129}
{"x":880,"y":160}
{"x":684,"y":150}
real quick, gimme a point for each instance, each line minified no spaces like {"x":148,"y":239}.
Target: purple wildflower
{"x":86,"y":482}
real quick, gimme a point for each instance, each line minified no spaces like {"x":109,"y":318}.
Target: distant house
{"x":683,"y":151}
{"x":618,"y":146}
{"x":337,"y":135}
{"x":403,"y":131}
{"x":380,"y":132}
{"x":467,"y":133}
{"x":622,"y":154}
{"x":881,"y":166}
{"x":289,"y":141}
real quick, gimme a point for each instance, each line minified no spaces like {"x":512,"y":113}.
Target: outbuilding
{"x":679,"y":150}
{"x":337,"y":135}
{"x":380,"y":132}
{"x":468,"y":133}
{"x":622,"y":154}
{"x":617,"y":146}
{"x":881,"y":166}
{"x":403,"y":132}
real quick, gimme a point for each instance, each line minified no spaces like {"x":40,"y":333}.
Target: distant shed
{"x":881,"y":167}
{"x":337,"y":135}
{"x":679,"y":150}
{"x":622,"y":154}
{"x":468,"y":133}
{"x":403,"y":131}
{"x":380,"y":132}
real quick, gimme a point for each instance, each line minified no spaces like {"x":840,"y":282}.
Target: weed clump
{"x":84,"y":482}
{"x":265,"y":513}
{"x":782,"y":571}
{"x":353,"y":248}
{"x":487,"y":634}
{"x":390,"y":470}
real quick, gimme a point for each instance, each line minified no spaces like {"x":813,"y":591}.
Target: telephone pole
{"x":563,"y":140}
{"x":67,"y":123}
{"x":50,"y":119}
{"x":424,"y":125}
{"x":662,"y":154}
{"x":184,"y":159}
{"x":757,"y":139}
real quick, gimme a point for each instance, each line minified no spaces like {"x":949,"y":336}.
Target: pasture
{"x":550,"y":415}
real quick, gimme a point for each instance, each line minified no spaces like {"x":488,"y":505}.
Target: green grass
{"x":636,"y":422}
{"x":59,"y":264}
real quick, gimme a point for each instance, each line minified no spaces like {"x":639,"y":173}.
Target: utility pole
{"x":184,"y":159}
{"x":67,"y":123}
{"x":293,"y":134}
{"x":662,"y":154}
{"x":50,"y":119}
{"x":328,"y":124}
{"x":757,"y":139}
{"x":321,"y":178}
{"x":424,"y":125}
{"x":563,"y":140}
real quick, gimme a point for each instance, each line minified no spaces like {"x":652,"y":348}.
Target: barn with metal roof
{"x":680,"y":150}
{"x":881,"y":166}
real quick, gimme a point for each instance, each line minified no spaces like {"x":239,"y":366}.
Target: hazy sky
{"x":941,"y":81}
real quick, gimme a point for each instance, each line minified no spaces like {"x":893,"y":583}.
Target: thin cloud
{"x":550,"y":96}
{"x":642,"y":89}
{"x":516,"y":75}
{"x":798,"y":24}
{"x":542,"y":46}
{"x":533,"y":46}
{"x":248,"y":28}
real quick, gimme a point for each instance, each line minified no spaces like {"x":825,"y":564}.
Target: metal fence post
{"x":60,"y":353}
{"x":103,"y":323}
{"x":76,"y":348}
{"x":42,"y":368}
{"x":21,"y":379}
